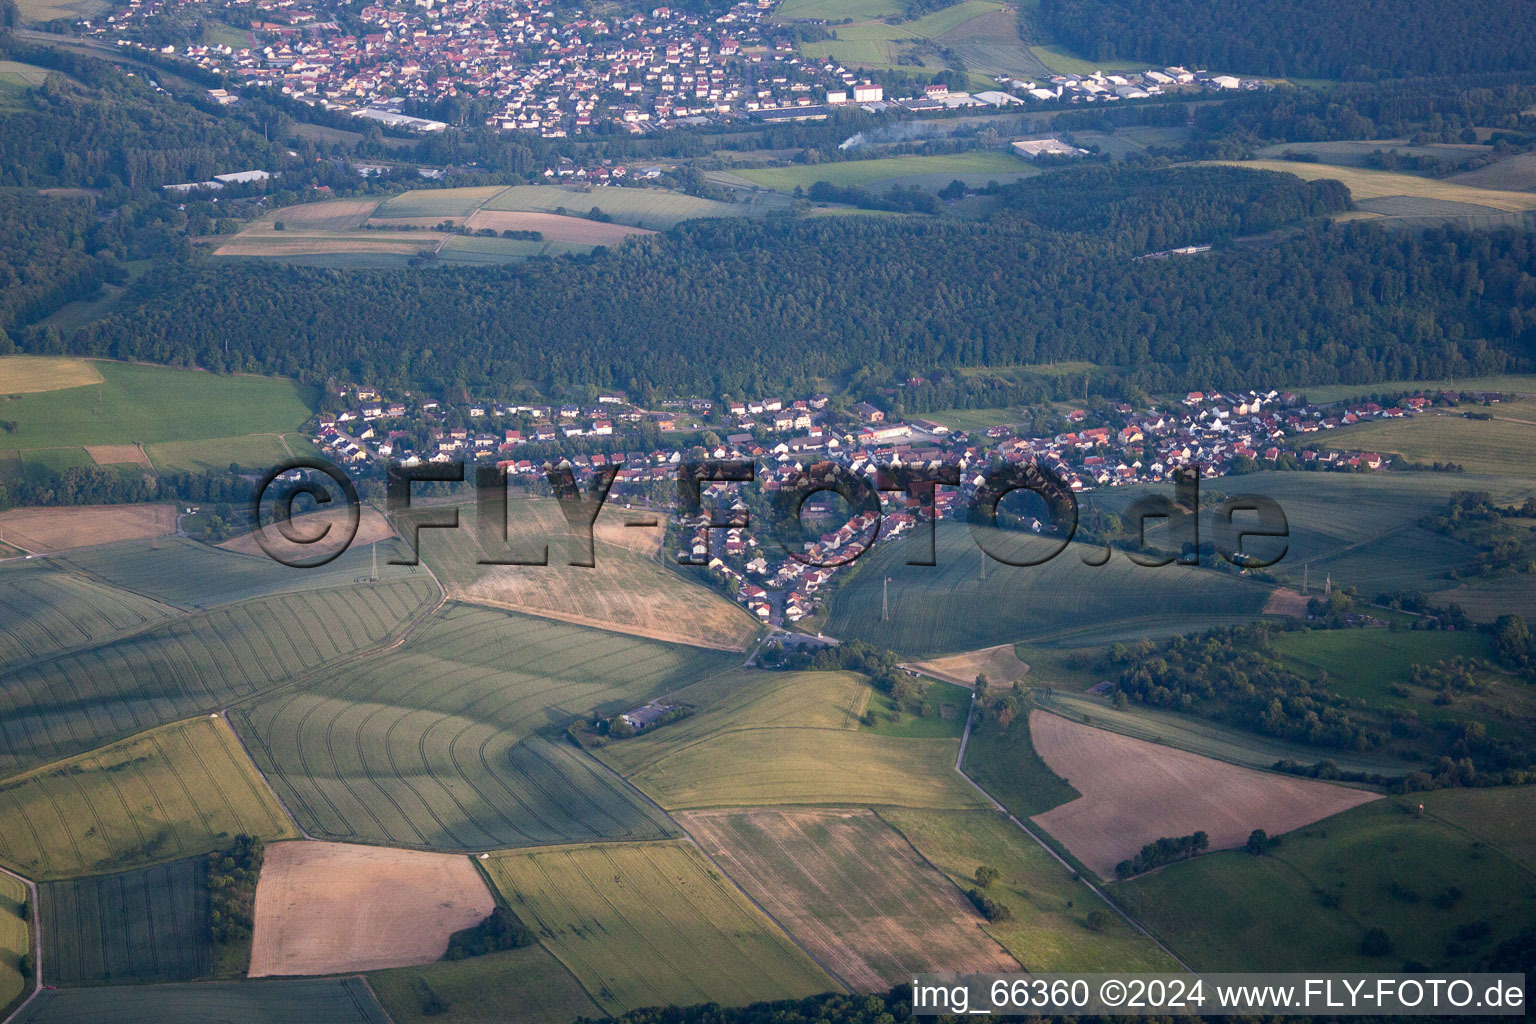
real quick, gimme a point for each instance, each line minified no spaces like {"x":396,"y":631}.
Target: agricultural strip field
{"x":307,"y":1001}
{"x":1499,"y":446}
{"x":142,"y":403}
{"x":332,"y":215}
{"x":47,"y":530}
{"x":118,"y":455}
{"x":456,"y":741}
{"x":778,"y":738}
{"x":652,"y":924}
{"x":331,"y":908}
{"x":191,"y":575}
{"x":868,"y":173}
{"x":149,"y":925}
{"x":629,"y":590}
{"x":442,"y":203}
{"x":948,"y":607}
{"x":44,"y":611}
{"x":22,"y":375}
{"x":852,"y":891}
{"x":173,"y":792}
{"x":654,"y":208}
{"x":1135,"y":792}
{"x":515,"y":986}
{"x":15,"y":940}
{"x":1000,"y":664}
{"x":257,"y":452}
{"x":1307,"y":903}
{"x":554,"y":227}
{"x":256,"y":241}
{"x":200,"y":663}
{"x":1368,"y":184}
{"x":1050,"y":928}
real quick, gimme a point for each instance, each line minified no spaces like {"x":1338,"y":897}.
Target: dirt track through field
{"x":46,"y":530}
{"x":332,"y":908}
{"x":850,"y":890}
{"x":1134,"y":792}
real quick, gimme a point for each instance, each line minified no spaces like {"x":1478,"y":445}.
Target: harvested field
{"x":628,"y":591}
{"x":555,"y":227}
{"x":1134,"y":792}
{"x":26,"y":375}
{"x":118,"y":455}
{"x":46,"y":530}
{"x":256,"y":242}
{"x":655,"y":208}
{"x":335,"y":215}
{"x":1286,"y":602}
{"x":332,"y":908}
{"x":853,"y":891}
{"x":372,"y":527}
{"x":652,"y":924}
{"x":1000,"y":664}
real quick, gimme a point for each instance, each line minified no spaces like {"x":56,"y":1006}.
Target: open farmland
{"x":1363,"y":663}
{"x":777,"y":738}
{"x":330,"y":908}
{"x":44,"y":611}
{"x":191,"y":575}
{"x":1368,"y":184}
{"x":332,"y":215}
{"x":891,"y":170}
{"x":1499,"y":446}
{"x":118,"y":455}
{"x":1517,"y":172}
{"x":456,"y":740}
{"x":308,"y":1001}
{"x":652,"y":924}
{"x":852,"y":891}
{"x":15,"y":939}
{"x":256,"y":452}
{"x":554,"y":227}
{"x":876,"y":43}
{"x":267,"y":243}
{"x":137,"y":402}
{"x":1052,"y":926}
{"x":173,"y":792}
{"x":23,"y":375}
{"x":34,"y":11}
{"x":141,"y":926}
{"x":1135,"y":792}
{"x":1307,"y":904}
{"x":442,"y":203}
{"x":654,"y":208}
{"x":1504,"y":817}
{"x":1000,"y":664}
{"x":1355,"y":152}
{"x":372,"y":528}
{"x":47,"y":530}
{"x":514,"y":986}
{"x":630,"y":590}
{"x":936,"y":610}
{"x":1003,"y":760}
{"x":79,"y":700}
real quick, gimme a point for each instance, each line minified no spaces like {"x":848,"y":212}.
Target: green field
{"x":306,"y":1001}
{"x":215,"y":454}
{"x":1506,"y":382}
{"x":1504,"y":817}
{"x":1049,"y":929}
{"x":1062,"y":62}
{"x":1004,"y":763}
{"x":943,"y":714}
{"x":153,"y":404}
{"x":15,"y":940}
{"x":867,"y":173}
{"x":775,"y":738}
{"x":457,"y":203}
{"x":836,"y":10}
{"x":456,"y":740}
{"x":170,"y":793}
{"x":77,"y":701}
{"x":1362,"y":663}
{"x":875,"y":43}
{"x":945,"y":608}
{"x":1307,"y":905}
{"x":655,"y":208}
{"x":1499,"y":446}
{"x":191,"y":575}
{"x":1369,"y":184}
{"x":477,"y":250}
{"x":34,"y":11}
{"x":516,"y":986}
{"x":139,"y":926}
{"x":44,"y":611}
{"x":652,"y":924}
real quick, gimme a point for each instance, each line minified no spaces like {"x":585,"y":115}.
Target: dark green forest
{"x":1305,"y":38}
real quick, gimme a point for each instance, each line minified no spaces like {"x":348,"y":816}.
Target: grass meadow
{"x":149,"y":925}
{"x":652,"y":924}
{"x":456,"y":740}
{"x":173,"y":792}
{"x":15,"y":940}
{"x":514,"y":986}
{"x":1499,"y":446}
{"x":869,"y":173}
{"x":1444,"y":898}
{"x":303,"y":1001}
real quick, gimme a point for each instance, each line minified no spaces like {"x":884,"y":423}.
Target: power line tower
{"x":885,"y":600}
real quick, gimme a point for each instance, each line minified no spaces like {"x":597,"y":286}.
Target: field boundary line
{"x":965,"y":740}
{"x":36,"y":921}
{"x":688,"y":838}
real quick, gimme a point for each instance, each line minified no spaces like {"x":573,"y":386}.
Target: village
{"x":1110,"y":445}
{"x":532,"y":72}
